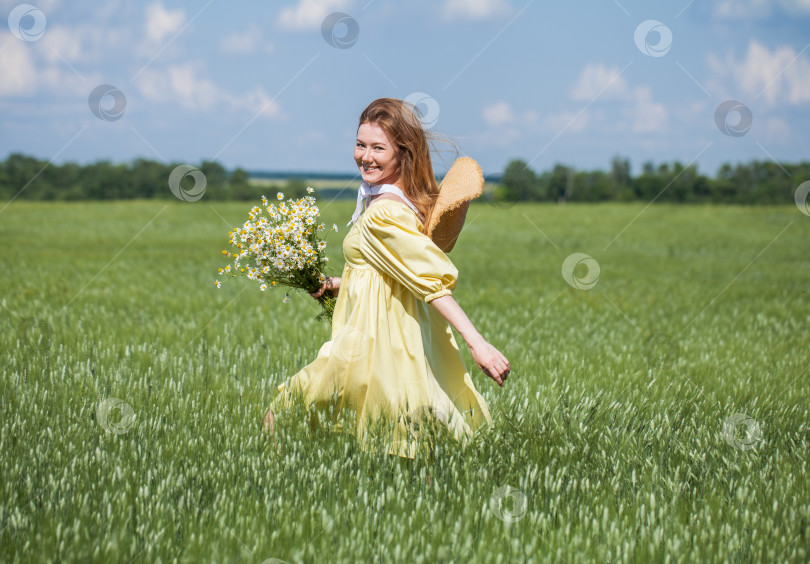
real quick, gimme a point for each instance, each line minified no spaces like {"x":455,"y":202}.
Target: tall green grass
{"x":133,"y":392}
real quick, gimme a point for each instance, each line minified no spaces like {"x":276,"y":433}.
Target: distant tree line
{"x":756,"y":182}
{"x":30,"y":178}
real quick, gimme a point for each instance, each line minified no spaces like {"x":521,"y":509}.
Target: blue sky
{"x":258,"y":84}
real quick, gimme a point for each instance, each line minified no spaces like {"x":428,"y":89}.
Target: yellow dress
{"x":391,"y":353}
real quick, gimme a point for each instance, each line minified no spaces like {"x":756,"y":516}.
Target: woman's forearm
{"x":488,"y":358}
{"x":452,"y":312}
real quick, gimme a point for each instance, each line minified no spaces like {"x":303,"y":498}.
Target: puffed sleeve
{"x":393,"y":244}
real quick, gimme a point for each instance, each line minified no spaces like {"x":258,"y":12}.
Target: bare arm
{"x":488,"y":358}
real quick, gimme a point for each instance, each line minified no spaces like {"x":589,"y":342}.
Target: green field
{"x":661,"y":415}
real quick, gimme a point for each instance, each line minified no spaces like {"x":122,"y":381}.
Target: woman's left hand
{"x":332,"y":283}
{"x":491,"y":361}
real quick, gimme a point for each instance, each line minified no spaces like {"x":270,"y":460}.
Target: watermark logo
{"x":585,"y":281}
{"x":661,"y":351}
{"x":735,"y":128}
{"x":653,"y":38}
{"x":800,"y":197}
{"x":501,"y":197}
{"x":115,"y":415}
{"x":35,"y":335}
{"x":350,"y":345}
{"x":518,"y":504}
{"x":176,"y":183}
{"x":426,"y":417}
{"x":425,"y":108}
{"x":742,"y":431}
{"x":340,"y":30}
{"x":99,"y":102}
{"x":27,"y":22}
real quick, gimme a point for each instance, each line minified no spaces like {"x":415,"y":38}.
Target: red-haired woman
{"x":392,"y":353}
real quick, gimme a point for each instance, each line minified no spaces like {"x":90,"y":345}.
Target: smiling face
{"x":376,"y":156}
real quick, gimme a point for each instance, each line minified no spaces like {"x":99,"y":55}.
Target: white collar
{"x":365,"y":191}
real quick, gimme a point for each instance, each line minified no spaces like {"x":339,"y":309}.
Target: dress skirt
{"x":392,"y":357}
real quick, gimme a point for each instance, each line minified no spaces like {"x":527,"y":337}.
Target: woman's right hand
{"x":491,"y":361}
{"x":332,"y":283}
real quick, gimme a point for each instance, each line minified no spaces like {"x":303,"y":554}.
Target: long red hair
{"x":402,"y":126}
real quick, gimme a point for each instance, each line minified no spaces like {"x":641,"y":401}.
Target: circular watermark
{"x":653,"y":38}
{"x":115,"y":415}
{"x":425,"y":108}
{"x":425,"y":418}
{"x":519,"y":504}
{"x":741,"y":431}
{"x":99,"y":102}
{"x":35,"y":335}
{"x":27,"y":22}
{"x":661,"y":351}
{"x":501,"y":198}
{"x":585,"y":281}
{"x":176,"y":183}
{"x":800,"y":197}
{"x":738,"y":127}
{"x":340,"y":30}
{"x":350,"y":345}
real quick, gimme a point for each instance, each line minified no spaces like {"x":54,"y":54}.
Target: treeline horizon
{"x":755,"y":182}
{"x":752,"y":183}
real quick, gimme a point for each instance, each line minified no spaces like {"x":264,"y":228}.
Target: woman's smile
{"x":376,"y":156}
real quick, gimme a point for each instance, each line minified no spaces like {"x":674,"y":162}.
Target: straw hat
{"x":462,"y":183}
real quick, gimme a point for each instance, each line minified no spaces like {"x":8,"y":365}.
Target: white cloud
{"x":742,"y":9}
{"x":183,"y":85}
{"x":86,"y":43}
{"x":161,"y":22}
{"x":647,"y":116}
{"x":756,"y":9}
{"x":566,"y":121}
{"x":499,"y":113}
{"x":28,"y":68}
{"x":600,"y":82}
{"x":309,"y":14}
{"x":16,"y":67}
{"x":62,"y":43}
{"x":778,"y":76}
{"x":189,"y":90}
{"x":475,"y":9}
{"x":244,"y":43}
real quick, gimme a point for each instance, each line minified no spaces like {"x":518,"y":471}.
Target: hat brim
{"x":462,"y":183}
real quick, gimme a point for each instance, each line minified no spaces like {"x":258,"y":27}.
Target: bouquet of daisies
{"x":279,"y":246}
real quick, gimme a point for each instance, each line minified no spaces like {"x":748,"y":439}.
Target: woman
{"x":392,"y":352}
